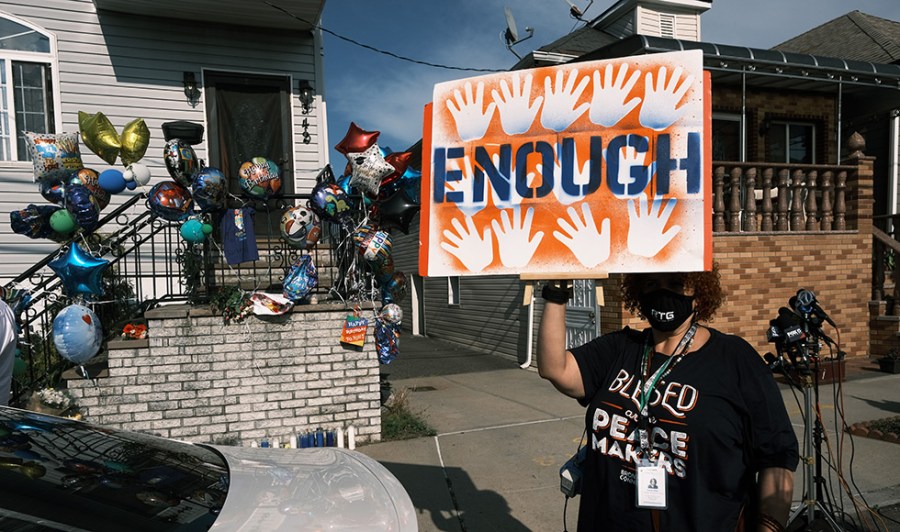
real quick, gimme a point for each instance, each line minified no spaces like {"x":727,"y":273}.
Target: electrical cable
{"x":378,"y":50}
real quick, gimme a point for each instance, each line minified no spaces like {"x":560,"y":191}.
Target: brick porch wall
{"x":761,"y":271}
{"x":199,"y":380}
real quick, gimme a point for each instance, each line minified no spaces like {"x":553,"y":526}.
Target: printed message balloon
{"x":301,"y":279}
{"x":53,"y":155}
{"x":260,"y":178}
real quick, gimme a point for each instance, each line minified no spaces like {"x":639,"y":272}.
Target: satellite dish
{"x":511,"y":34}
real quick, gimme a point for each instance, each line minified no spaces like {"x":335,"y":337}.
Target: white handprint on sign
{"x":580,"y":178}
{"x":516,"y":112}
{"x":559,"y":106}
{"x":466,"y":187}
{"x":659,"y":110}
{"x":646,"y":237}
{"x":590,"y":247}
{"x":608,"y":105}
{"x":472,"y":119}
{"x":475,"y":252}
{"x":517,"y":246}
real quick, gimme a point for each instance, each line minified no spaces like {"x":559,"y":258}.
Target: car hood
{"x":311,"y":489}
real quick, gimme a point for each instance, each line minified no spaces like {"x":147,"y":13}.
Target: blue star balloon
{"x":81,"y":273}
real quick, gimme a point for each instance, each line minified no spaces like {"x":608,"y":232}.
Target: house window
{"x":453,"y":290}
{"x":27,"y":62}
{"x":727,"y":137}
{"x":791,"y":142}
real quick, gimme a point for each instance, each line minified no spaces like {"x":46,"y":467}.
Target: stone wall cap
{"x":168,"y":311}
{"x":142,"y":343}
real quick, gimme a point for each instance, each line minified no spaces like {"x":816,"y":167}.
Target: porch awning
{"x":238,"y":12}
{"x":768,"y":68}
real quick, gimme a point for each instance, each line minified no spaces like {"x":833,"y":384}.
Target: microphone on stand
{"x":805,"y":303}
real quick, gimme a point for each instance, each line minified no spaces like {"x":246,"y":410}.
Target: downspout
{"x":321,"y":110}
{"x":893,"y":156}
{"x":743,"y":114}
{"x":529,"y":350}
{"x":840,"y":121}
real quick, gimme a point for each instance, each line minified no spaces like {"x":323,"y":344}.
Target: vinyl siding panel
{"x":131,"y":66}
{"x":621,"y":27}
{"x":490,"y":317}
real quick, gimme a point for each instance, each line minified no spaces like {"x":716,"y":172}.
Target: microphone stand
{"x":811,"y":460}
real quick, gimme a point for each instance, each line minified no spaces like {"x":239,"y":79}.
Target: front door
{"x":249,"y":116}
{"x":582,"y":318}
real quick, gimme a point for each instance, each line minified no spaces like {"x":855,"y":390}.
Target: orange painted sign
{"x":592,"y":167}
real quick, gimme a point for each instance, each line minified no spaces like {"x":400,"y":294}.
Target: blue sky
{"x":386,"y":94}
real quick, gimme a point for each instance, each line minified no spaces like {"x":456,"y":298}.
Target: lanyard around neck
{"x":651,"y":382}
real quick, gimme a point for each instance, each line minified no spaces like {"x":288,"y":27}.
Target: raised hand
{"x":580,"y":177}
{"x":590,"y":247}
{"x":516,"y":112}
{"x":646,"y":237}
{"x":472,"y":119}
{"x":473,"y":251}
{"x":559,"y":105}
{"x":517,"y":246}
{"x":466,"y":187}
{"x":608,"y":104}
{"x":659,"y":110}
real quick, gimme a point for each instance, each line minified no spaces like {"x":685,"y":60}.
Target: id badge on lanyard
{"x":651,"y":486}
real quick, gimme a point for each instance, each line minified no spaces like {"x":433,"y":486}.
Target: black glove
{"x":557,"y":292}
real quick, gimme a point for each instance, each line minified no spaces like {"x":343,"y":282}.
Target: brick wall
{"x":196,"y":379}
{"x":761,"y":271}
{"x":815,"y":108}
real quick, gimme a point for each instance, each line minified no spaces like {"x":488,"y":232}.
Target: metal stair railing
{"x":147,"y":268}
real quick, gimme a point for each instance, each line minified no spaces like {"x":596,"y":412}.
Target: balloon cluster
{"x":79,"y":194}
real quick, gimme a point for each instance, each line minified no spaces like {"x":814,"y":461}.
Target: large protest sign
{"x":591,"y":167}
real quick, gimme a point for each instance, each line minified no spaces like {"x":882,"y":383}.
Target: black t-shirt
{"x":717,"y":419}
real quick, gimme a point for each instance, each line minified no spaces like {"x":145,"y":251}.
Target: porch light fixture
{"x":307,"y":94}
{"x":190,"y":88}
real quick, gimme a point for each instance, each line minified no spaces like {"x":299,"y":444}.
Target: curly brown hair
{"x":708,"y":294}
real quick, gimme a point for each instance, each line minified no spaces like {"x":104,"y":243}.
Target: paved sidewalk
{"x":503,"y":433}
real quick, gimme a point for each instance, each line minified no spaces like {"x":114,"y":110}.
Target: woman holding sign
{"x":686,"y":428}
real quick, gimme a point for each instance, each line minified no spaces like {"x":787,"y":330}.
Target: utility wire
{"x":378,"y":50}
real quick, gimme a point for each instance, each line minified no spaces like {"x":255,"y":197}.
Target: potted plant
{"x":890,"y":363}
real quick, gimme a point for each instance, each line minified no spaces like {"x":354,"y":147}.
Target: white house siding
{"x":131,"y":66}
{"x":621,"y":27}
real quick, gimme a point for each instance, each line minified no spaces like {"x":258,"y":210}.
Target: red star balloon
{"x":399,"y":161}
{"x":357,"y":140}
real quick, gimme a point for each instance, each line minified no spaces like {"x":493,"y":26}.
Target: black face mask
{"x":665,"y":309}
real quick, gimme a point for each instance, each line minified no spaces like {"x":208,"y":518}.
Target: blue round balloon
{"x":83,"y":206}
{"x":77,"y":334}
{"x":112,"y":181}
{"x":210,"y":189}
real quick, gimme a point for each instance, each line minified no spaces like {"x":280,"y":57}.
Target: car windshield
{"x":69,"y":475}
